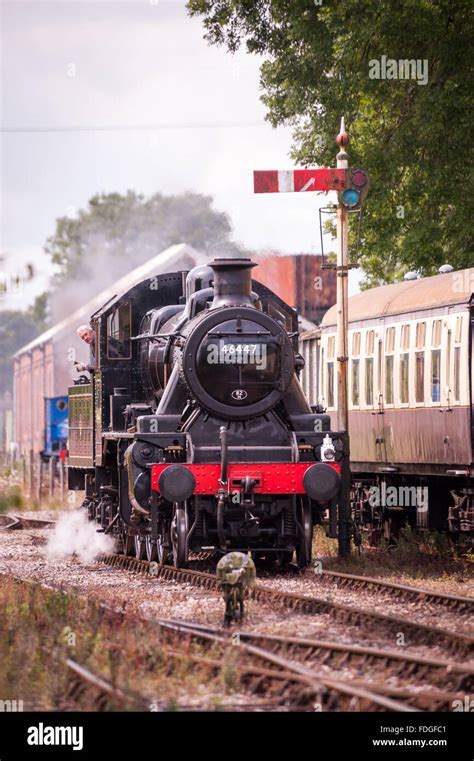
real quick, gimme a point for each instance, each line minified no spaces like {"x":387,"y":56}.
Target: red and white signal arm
{"x":298,"y":180}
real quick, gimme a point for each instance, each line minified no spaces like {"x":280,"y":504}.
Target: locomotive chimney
{"x":232,"y":282}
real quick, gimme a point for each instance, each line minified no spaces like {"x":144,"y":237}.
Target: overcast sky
{"x":78,"y":76}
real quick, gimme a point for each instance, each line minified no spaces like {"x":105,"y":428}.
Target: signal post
{"x":342,"y":286}
{"x":352,"y":186}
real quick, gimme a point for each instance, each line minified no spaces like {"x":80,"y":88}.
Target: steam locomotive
{"x":193,"y":432}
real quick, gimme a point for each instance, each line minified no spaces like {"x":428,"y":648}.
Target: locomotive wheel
{"x":163,"y":543}
{"x":162,"y":552}
{"x":128,"y":543}
{"x":304,"y":547}
{"x":140,"y":547}
{"x":179,"y":536}
{"x":118,"y":544}
{"x":151,"y":551}
{"x":284,"y":558}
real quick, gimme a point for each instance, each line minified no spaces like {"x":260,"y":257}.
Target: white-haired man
{"x":87,"y":334}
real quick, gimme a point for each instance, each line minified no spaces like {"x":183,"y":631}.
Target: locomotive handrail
{"x":224,"y":454}
{"x":228,"y":333}
{"x":156,"y":335}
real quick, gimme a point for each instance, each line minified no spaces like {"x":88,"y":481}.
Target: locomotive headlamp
{"x":321,"y":482}
{"x":176,"y":483}
{"x":328,"y":453}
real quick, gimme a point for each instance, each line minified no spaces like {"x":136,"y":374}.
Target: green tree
{"x":116,"y":233}
{"x":415,"y":139}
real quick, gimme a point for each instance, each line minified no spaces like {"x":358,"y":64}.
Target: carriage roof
{"x":450,"y":289}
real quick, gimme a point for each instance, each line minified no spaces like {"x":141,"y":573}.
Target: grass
{"x":39,"y":628}
{"x":416,"y":555}
{"x":11,"y":498}
{"x":15,"y":497}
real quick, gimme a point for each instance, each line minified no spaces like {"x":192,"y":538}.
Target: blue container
{"x":56,"y":428}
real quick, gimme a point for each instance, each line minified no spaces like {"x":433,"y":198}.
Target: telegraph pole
{"x":342,"y":273}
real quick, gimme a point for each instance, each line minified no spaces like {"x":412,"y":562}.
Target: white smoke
{"x":73,"y":534}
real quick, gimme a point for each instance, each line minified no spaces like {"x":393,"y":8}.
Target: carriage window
{"x":389,"y":379}
{"x":405,"y":338}
{"x":119,"y":333}
{"x":369,"y":367}
{"x":389,"y":348}
{"x":355,"y":374}
{"x":420,"y":376}
{"x":457,"y":373}
{"x":436,"y":340}
{"x":420,"y":335}
{"x":458,"y":333}
{"x":369,"y":342}
{"x":404,"y":362}
{"x":389,"y":340}
{"x":420,"y":362}
{"x":330,"y":372}
{"x":321,"y":374}
{"x":331,"y":341}
{"x":436,"y":362}
{"x":313,"y":370}
{"x":457,"y":359}
{"x":436,"y":375}
{"x":330,"y":380}
{"x":355,"y":383}
{"x":448,"y":359}
{"x":369,"y":380}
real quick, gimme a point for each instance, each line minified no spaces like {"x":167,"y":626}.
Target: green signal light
{"x":350,"y":198}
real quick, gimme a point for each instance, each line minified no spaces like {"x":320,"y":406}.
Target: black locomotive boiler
{"x":194,"y":433}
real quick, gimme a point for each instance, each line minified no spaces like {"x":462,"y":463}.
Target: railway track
{"x":331,"y":692}
{"x":282,"y":685}
{"x":14,"y":522}
{"x":344,"y":580}
{"x":279,"y":670}
{"x":456,"y":643}
{"x":83,"y":684}
{"x":399,"y":591}
{"x":384,"y":663}
{"x":260,"y":672}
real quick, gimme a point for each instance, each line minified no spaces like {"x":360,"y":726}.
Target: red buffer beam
{"x":269,"y":477}
{"x":298,"y":180}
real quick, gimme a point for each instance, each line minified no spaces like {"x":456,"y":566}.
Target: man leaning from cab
{"x":87,"y":334}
